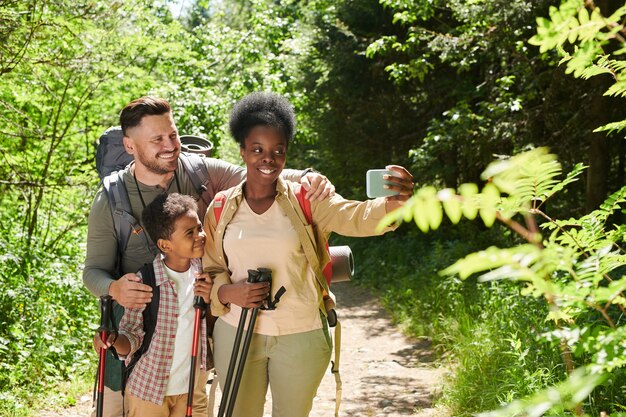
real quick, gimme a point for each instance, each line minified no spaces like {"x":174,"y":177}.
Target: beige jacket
{"x":334,"y":214}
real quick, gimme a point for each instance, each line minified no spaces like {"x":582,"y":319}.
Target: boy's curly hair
{"x":160,"y":215}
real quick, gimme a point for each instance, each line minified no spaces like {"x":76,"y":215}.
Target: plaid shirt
{"x":148,"y":381}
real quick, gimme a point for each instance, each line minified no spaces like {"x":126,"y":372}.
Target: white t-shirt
{"x":178,"y":382}
{"x":268,"y":240}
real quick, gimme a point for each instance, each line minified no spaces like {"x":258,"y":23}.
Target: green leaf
{"x":419,"y":213}
{"x":517,"y":261}
{"x":432,"y":206}
{"x":490,"y":198}
{"x":451,"y":204}
{"x":469,"y":207}
{"x":583,"y":15}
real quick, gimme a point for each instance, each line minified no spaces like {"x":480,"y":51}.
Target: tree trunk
{"x":599,"y":160}
{"x":597,"y":173}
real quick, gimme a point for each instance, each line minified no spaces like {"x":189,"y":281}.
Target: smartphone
{"x":374,"y":183}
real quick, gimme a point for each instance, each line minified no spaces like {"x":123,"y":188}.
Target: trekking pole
{"x":104,"y":330}
{"x":200,"y":306}
{"x":264,"y":275}
{"x":252,"y":277}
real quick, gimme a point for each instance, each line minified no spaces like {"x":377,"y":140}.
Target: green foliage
{"x":475,"y":52}
{"x":232,"y":54}
{"x":65,"y":70}
{"x":576,"y":268}
{"x":45,"y":316}
{"x":557,"y":399}
{"x":590,"y":40}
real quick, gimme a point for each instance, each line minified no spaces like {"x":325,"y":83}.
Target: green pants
{"x":292,"y":365}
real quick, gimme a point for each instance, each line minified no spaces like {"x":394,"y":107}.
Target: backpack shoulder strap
{"x":150,"y":314}
{"x":218,"y":205}
{"x":152,"y":308}
{"x":305,"y":204}
{"x":198,"y":173}
{"x":123,"y":221}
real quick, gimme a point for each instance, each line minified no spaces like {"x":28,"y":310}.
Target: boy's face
{"x":187,"y":240}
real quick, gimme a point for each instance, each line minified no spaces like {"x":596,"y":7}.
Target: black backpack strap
{"x":198,"y":174}
{"x":150,"y":314}
{"x":124,"y":222}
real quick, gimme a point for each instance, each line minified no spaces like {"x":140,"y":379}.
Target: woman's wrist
{"x":221,"y":296}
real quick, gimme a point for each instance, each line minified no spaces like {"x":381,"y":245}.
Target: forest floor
{"x":384,"y":373}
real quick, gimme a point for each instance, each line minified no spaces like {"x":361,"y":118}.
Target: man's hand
{"x":317,"y":186}
{"x":129,"y":292}
{"x":402,"y":182}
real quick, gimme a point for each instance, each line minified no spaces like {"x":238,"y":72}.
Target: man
{"x":150,"y":135}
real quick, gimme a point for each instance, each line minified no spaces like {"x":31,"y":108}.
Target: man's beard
{"x":153,"y":165}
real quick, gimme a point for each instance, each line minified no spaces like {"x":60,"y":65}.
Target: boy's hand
{"x":317,"y":186}
{"x":203,"y":285}
{"x":98,"y":343}
{"x":130,"y":292}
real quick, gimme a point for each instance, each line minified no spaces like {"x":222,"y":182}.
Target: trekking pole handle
{"x":265,"y":275}
{"x":253,"y":275}
{"x":198,"y":301}
{"x":105,"y":313}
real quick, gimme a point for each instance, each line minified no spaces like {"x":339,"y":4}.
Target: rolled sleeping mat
{"x":343,"y":263}
{"x":196,"y":144}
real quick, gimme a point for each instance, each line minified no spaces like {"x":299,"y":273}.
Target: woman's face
{"x":264,"y":154}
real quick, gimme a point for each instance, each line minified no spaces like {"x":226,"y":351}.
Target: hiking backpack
{"x":111,"y":155}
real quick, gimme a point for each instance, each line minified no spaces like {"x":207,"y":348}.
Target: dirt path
{"x":383,"y":372}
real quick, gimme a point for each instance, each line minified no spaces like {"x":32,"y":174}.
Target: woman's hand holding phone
{"x":394,"y":183}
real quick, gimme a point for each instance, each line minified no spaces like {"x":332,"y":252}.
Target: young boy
{"x":159,"y":382}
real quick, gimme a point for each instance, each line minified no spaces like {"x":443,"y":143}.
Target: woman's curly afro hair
{"x":262,"y":109}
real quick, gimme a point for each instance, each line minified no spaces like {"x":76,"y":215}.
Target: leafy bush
{"x":46,"y":315}
{"x":574,"y":273}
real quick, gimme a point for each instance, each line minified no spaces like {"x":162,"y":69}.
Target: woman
{"x":261,"y":225}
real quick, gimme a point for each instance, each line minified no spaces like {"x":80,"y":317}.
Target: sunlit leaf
{"x":451,"y":204}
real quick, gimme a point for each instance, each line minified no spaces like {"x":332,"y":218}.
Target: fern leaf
{"x":618,"y":89}
{"x":522,"y":257}
{"x":614,"y":127}
{"x":571,"y":177}
{"x":526,"y":177}
{"x":594,"y":70}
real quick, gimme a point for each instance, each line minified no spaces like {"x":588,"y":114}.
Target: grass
{"x":58,"y":397}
